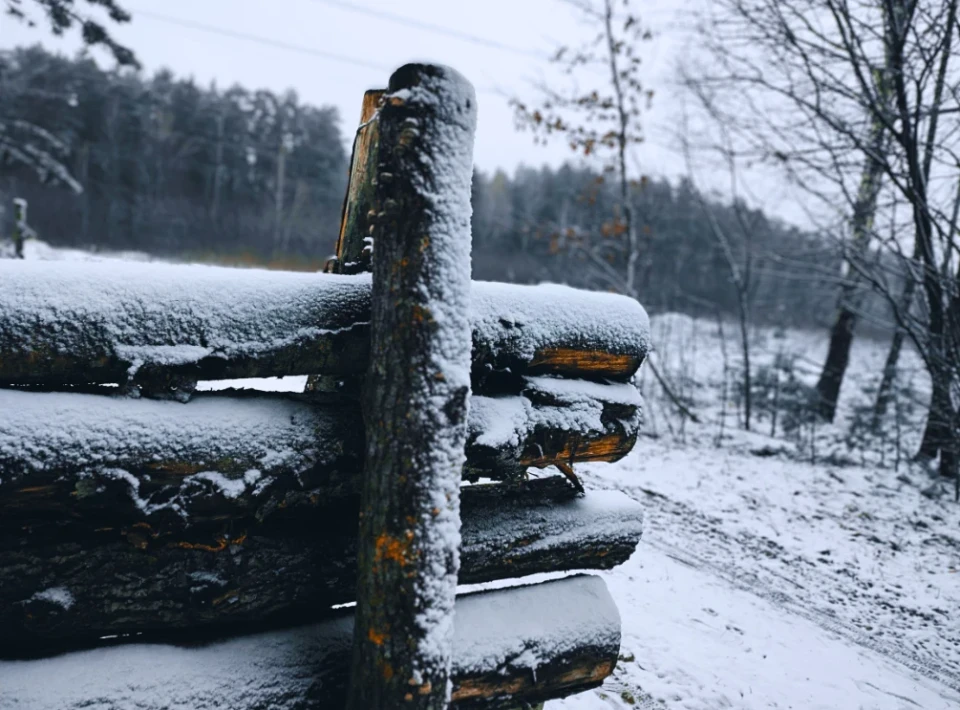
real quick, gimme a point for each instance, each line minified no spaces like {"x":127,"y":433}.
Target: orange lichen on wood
{"x":578,"y":362}
{"x":221,"y":544}
{"x":393,"y":549}
{"x":378,"y":637}
{"x":583,"y":674}
{"x":608,"y":448}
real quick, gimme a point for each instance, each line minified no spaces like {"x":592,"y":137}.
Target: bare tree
{"x":601,"y":120}
{"x":842,"y":96}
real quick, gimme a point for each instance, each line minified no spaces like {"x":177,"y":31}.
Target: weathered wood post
{"x":21,"y":232}
{"x":416,"y":393}
{"x":356,"y":217}
{"x":353,"y":254}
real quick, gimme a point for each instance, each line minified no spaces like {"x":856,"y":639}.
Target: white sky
{"x":536,"y":27}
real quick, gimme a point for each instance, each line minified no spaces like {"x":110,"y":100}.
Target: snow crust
{"x":599,"y":516}
{"x":286,"y":670}
{"x":525,"y":319}
{"x":165,"y":314}
{"x":499,"y":422}
{"x":60,"y":596}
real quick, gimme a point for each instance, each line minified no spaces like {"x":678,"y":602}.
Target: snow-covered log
{"x":511,"y":646}
{"x":101,"y":322}
{"x":68,"y":582}
{"x":138,"y":459}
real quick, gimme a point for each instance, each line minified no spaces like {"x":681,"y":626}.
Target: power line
{"x":430,"y":27}
{"x":267,"y":41}
{"x":278,"y":44}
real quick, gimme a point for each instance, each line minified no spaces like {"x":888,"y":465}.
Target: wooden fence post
{"x":355,"y":220}
{"x":416,"y":393}
{"x":353,"y":252}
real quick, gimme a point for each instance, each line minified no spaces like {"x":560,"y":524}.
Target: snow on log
{"x":511,"y":646}
{"x":80,"y":322}
{"x":137,"y":577}
{"x":67,"y":322}
{"x":226,"y":454}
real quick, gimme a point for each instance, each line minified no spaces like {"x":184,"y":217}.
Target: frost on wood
{"x":511,"y":646}
{"x":552,"y":328}
{"x":132,"y":578}
{"x":602,"y":421}
{"x":157,"y":460}
{"x":166,"y":454}
{"x":416,"y":392}
{"x":100,"y":321}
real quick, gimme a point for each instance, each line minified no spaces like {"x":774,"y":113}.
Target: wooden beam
{"x":415,"y":394}
{"x":140,"y":577}
{"x":71,"y":456}
{"x":80,"y":323}
{"x":511,"y":647}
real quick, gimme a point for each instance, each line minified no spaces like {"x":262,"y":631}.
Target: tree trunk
{"x":841,"y":334}
{"x":936,"y":433}
{"x":745,"y":345}
{"x":885,"y":390}
{"x":838,"y":357}
{"x":416,"y":394}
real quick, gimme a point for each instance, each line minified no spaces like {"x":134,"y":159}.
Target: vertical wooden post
{"x":353,"y":256}
{"x":416,"y":393}
{"x":353,"y":243}
{"x":20,"y":229}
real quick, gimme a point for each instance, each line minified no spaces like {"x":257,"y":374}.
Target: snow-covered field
{"x":795,"y":566}
{"x":777,"y":573}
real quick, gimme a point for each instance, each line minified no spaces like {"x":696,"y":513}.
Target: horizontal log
{"x":511,"y":646}
{"x":100,"y":322}
{"x":70,"y":584}
{"x":65,"y":455}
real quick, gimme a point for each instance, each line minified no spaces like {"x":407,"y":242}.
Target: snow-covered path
{"x":769,"y":583}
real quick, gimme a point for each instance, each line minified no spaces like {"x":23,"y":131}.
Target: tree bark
{"x":126,"y":576}
{"x":841,"y":333}
{"x":416,"y":394}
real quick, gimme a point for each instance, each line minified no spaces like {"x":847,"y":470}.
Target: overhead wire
{"x":430,"y":27}
{"x":277,"y":44}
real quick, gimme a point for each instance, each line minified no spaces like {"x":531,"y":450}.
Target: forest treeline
{"x":171,"y":168}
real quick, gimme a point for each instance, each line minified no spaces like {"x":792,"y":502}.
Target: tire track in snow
{"x":743,"y":561}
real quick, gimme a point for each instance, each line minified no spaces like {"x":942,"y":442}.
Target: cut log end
{"x":573,"y":362}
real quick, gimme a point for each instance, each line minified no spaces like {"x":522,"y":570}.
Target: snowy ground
{"x":807,"y":568}
{"x":793,"y":580}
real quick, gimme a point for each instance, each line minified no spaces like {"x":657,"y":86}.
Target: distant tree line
{"x":163,"y":165}
{"x":546,"y":225}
